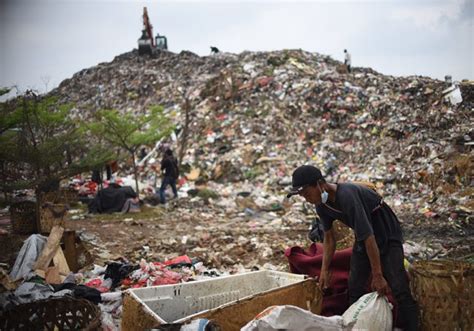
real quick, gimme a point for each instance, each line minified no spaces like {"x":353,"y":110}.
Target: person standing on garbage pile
{"x":378,"y":247}
{"x":170,"y":171}
{"x":347,"y":60}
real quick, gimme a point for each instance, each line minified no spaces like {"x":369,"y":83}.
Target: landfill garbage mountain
{"x":255,"y":116}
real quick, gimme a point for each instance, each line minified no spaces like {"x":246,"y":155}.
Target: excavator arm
{"x":147,"y":26}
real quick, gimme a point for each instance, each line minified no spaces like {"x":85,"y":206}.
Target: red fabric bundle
{"x":335,"y":300}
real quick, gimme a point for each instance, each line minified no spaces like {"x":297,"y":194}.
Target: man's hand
{"x":324,"y":280}
{"x":329,"y":247}
{"x":379,"y":284}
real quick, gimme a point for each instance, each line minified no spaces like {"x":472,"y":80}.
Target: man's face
{"x":312,"y":194}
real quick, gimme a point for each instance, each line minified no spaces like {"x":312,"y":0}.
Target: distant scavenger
{"x":347,"y":60}
{"x":378,"y":249}
{"x":170,"y":171}
{"x":214,"y":50}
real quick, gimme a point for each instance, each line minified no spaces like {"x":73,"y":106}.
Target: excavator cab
{"x":161,"y":42}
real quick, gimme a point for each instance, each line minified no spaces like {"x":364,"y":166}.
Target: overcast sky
{"x":48,"y":41}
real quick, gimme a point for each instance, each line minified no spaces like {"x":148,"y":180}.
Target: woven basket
{"x":69,"y":196}
{"x":23,"y":217}
{"x":65,"y":195}
{"x":445,"y":293}
{"x":51,"y":215}
{"x":52,"y":197}
{"x":62,"y":313}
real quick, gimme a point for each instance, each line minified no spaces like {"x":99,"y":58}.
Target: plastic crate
{"x":231,"y":301}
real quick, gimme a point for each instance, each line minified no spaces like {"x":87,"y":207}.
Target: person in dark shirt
{"x":378,"y":246}
{"x":169,"y":169}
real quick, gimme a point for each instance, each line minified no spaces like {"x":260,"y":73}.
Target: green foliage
{"x":252,"y":173}
{"x":250,"y":112}
{"x":39,"y":143}
{"x":4,"y":90}
{"x":207,"y":194}
{"x":269,"y":71}
{"x":278,"y":60}
{"x":130,"y":131}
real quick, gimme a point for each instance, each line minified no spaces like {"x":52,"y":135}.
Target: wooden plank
{"x":52,"y":275}
{"x":70,"y":251}
{"x":50,"y":249}
{"x":60,"y":261}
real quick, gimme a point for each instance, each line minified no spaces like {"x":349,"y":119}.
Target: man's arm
{"x":329,"y":245}
{"x":378,"y":281}
{"x":164,"y":165}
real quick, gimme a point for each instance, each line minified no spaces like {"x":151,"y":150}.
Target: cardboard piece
{"x":52,"y":252}
{"x":70,"y":250}
{"x":49,"y":250}
{"x":6,"y":282}
{"x":60,"y":261}
{"x":52,"y":275}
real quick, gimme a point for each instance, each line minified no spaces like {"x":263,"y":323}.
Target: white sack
{"x":291,"y":318}
{"x":371,"y":312}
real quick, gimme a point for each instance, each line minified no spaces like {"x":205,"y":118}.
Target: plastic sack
{"x":201,"y":324}
{"x":371,"y":312}
{"x":293,"y":318}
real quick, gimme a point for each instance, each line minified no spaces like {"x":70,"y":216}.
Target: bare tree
{"x":45,"y":79}
{"x":185,"y":133}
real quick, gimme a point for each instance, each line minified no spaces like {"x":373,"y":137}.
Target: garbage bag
{"x":371,"y":312}
{"x":200,"y":324}
{"x":292,"y":318}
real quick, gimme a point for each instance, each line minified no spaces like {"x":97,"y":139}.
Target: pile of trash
{"x":257,"y":115}
{"x":41,"y":272}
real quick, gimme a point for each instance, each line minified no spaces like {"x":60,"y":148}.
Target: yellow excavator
{"x":147,"y":44}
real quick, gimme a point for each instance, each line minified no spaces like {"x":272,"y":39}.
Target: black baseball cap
{"x":302,"y":177}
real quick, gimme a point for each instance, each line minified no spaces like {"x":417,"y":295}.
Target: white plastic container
{"x":182,"y":302}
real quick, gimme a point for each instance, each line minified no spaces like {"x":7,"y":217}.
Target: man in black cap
{"x":378,"y":248}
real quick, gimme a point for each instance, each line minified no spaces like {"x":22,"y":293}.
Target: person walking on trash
{"x":378,"y":248}
{"x":169,"y":168}
{"x":347,"y":60}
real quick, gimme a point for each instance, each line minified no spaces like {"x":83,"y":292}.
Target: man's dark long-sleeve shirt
{"x":363,"y":210}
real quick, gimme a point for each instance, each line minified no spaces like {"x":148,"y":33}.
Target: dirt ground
{"x":163,"y":232}
{"x":230,"y":242}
